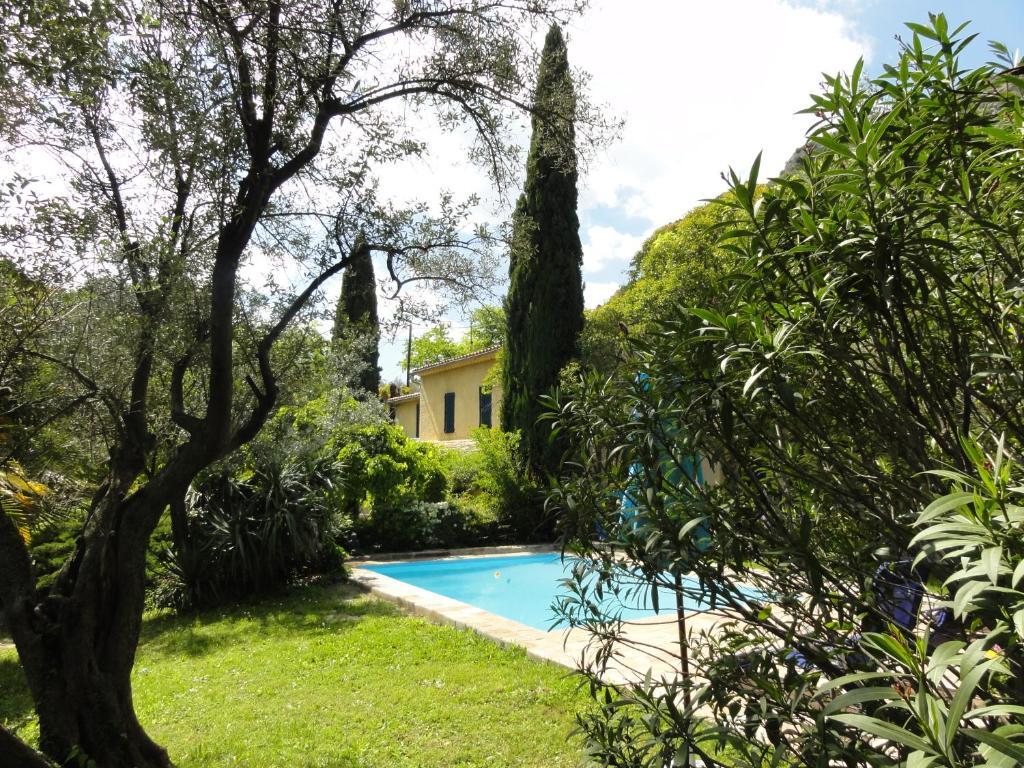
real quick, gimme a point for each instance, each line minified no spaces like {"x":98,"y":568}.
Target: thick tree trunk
{"x":77,"y":644}
{"x":14,"y":753}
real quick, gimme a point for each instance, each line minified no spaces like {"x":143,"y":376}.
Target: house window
{"x":485,"y":408}
{"x":449,"y":412}
{"x":417,"y":418}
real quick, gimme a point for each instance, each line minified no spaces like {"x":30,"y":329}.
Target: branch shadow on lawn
{"x":321,"y":605}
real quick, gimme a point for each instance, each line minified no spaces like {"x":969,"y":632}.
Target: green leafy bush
{"x":54,"y":543}
{"x":316,"y":481}
{"x":402,"y":494}
{"x":385,"y":469}
{"x":253,"y":529}
{"x":268,"y":514}
{"x":422,"y":525}
{"x":833,"y":392}
{"x":509,"y":493}
{"x":464,"y":470}
{"x":398,"y":486}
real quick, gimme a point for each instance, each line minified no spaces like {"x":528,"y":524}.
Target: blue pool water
{"x":522,"y":588}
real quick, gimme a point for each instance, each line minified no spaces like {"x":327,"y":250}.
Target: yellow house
{"x":452,"y":400}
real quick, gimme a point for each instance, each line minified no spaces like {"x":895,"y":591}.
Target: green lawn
{"x":328,"y":677}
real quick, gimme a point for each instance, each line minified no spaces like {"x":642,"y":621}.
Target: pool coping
{"x":452,"y":554}
{"x":569,"y":648}
{"x":447,"y":610}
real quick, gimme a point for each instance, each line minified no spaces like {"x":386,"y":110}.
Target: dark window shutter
{"x":485,"y":408}
{"x":417,"y":418}
{"x":449,"y":412}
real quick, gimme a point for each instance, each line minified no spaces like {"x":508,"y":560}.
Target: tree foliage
{"x":680,"y":264}
{"x":199,"y":155}
{"x":857,"y":395}
{"x":487,"y":329}
{"x":355,"y":319}
{"x":545,"y":297}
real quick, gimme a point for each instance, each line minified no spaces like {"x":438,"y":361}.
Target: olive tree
{"x":173,"y":150}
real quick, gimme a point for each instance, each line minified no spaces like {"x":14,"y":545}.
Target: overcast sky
{"x":702,"y":86}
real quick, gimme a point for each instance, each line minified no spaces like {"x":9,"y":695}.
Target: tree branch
{"x":265,"y":400}
{"x":113,"y":406}
{"x":15,"y":753}
{"x":188,"y":422}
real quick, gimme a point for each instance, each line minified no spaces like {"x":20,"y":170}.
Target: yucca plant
{"x":252,"y":528}
{"x":24,"y":500}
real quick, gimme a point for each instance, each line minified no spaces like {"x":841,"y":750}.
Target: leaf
{"x":884,"y":730}
{"x":942,"y":657}
{"x":856,"y":677}
{"x":956,"y":477}
{"x":996,"y":710}
{"x":922,"y":30}
{"x":1018,"y":574}
{"x":859,"y":696}
{"x":919,"y":759}
{"x":890,"y":647}
{"x":999,"y":743}
{"x":858,"y":68}
{"x":962,"y":697}
{"x":944,"y":504}
{"x":991,"y":558}
{"x":754,"y":376}
{"x":755,"y":170}
{"x":965,"y":595}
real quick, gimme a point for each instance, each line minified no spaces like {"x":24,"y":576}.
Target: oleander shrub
{"x":855,"y":393}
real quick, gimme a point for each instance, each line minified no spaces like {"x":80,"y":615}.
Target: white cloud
{"x":595,"y":294}
{"x":702,"y":86}
{"x":605,"y":247}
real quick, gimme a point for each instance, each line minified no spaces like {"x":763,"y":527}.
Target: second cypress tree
{"x":355,"y":320}
{"x":545,"y":297}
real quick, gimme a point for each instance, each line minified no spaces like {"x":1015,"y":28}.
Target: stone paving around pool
{"x":657,"y":636}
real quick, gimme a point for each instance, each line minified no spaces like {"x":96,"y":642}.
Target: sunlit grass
{"x":328,"y":677}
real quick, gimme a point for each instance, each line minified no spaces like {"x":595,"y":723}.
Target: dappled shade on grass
{"x":325,"y":676}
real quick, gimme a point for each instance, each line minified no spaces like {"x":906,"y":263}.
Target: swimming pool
{"x":522,"y":588}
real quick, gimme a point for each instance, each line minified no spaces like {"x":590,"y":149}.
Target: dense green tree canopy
{"x":680,"y":264}
{"x":545,"y":297}
{"x":355,"y":319}
{"x":200,"y":156}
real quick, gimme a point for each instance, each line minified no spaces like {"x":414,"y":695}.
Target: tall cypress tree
{"x":355,"y":320}
{"x":545,"y":297}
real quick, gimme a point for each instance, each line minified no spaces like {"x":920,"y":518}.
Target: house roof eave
{"x":456,"y":361}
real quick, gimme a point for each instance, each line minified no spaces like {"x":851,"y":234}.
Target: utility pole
{"x":408,"y":359}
